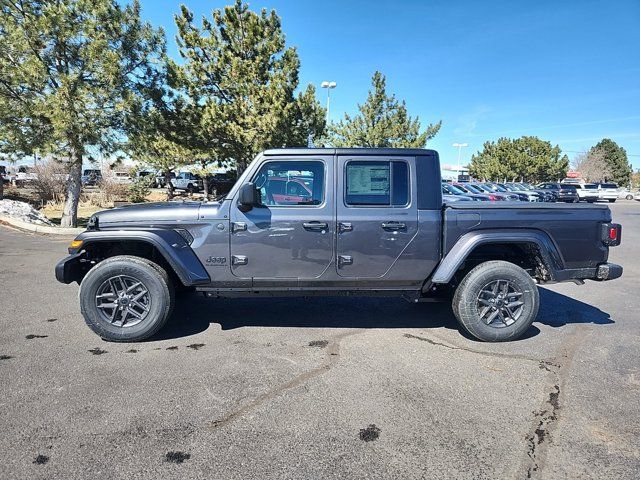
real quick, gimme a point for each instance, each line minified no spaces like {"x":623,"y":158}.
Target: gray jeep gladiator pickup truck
{"x":337,"y":222}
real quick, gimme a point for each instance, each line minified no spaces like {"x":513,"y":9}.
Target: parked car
{"x":91,"y":177}
{"x":545,"y":195}
{"x":471,"y":189}
{"x":523,"y":194}
{"x":564,"y":192}
{"x":221,"y":183}
{"x":608,"y":191}
{"x":376,"y":224}
{"x":123,"y":178}
{"x":161,"y":179}
{"x":449,"y":189}
{"x":587,"y":192}
{"x":507,"y":196}
{"x":626,"y":194}
{"x":187,"y":181}
{"x":25,"y":176}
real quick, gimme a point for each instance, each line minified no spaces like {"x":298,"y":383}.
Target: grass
{"x":54,"y":213}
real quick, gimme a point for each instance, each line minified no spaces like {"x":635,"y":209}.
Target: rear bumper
{"x":608,"y":271}
{"x":601,"y":273}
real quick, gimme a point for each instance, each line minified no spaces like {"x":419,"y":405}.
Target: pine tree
{"x":239,"y":79}
{"x":522,"y":159}
{"x":616,"y":158}
{"x":382,"y":121}
{"x":71,"y":71}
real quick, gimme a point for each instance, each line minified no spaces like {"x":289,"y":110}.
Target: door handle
{"x":315,"y":225}
{"x":344,"y":227}
{"x":394,"y":226}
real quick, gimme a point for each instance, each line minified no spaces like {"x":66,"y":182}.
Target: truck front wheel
{"x":126,"y":298}
{"x":497,"y":301}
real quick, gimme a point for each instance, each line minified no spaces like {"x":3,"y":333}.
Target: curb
{"x":31,"y":227}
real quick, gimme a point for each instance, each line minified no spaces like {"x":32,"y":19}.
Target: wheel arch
{"x":163,"y":246}
{"x":534,"y":246}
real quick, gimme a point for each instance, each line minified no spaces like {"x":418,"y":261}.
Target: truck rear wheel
{"x":126,"y":298}
{"x":497,"y":301}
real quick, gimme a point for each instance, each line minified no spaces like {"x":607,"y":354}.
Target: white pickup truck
{"x":187,"y":181}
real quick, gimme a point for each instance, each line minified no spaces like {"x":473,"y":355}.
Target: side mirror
{"x":247,"y":197}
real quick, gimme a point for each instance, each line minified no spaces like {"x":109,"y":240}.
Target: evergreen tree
{"x":523,"y":159}
{"x":616,"y":158}
{"x":238,"y":80}
{"x":382,"y":121}
{"x":70,"y":73}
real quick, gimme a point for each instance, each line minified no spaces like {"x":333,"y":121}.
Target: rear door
{"x":376,"y":214}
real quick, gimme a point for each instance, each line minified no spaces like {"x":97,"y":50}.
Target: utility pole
{"x":459,"y":147}
{"x":328,"y":86}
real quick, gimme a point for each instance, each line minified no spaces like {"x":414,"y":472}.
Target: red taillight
{"x":613,"y":233}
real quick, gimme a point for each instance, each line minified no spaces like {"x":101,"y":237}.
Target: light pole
{"x":328,"y":86}
{"x":459,"y":147}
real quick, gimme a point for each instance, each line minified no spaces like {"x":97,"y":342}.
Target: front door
{"x":289,"y":236}
{"x":376,"y":215}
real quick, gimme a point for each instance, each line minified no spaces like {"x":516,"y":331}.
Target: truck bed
{"x":574,"y":229}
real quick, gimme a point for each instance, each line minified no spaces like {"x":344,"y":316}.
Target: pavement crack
{"x":331,"y":358}
{"x":545,"y":419}
{"x":478,"y":352}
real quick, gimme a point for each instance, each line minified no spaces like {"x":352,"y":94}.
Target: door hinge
{"x":239,"y":260}
{"x":344,"y":260}
{"x":344,"y":227}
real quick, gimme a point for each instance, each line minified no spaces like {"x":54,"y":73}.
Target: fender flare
{"x":468,"y":242}
{"x":171,"y":245}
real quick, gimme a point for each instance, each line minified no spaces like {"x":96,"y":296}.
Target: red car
{"x":287,"y":191}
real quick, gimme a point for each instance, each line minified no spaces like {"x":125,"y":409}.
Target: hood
{"x":148,"y":213}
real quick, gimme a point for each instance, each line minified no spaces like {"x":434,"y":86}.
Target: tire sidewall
{"x":479,"y":277}
{"x":142,"y":271}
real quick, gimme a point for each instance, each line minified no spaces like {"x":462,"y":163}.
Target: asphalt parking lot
{"x":318,"y":388}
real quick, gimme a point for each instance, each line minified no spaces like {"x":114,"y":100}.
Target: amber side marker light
{"x":75,"y":244}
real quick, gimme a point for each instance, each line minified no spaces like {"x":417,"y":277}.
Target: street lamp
{"x":328,"y":86}
{"x":459,"y":147}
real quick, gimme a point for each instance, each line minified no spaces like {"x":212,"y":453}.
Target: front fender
{"x":468,"y":242}
{"x":171,"y":245}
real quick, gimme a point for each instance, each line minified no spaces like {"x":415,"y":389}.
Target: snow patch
{"x":23,"y":211}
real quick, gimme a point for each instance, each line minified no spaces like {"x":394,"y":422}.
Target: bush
{"x":50,"y":181}
{"x":109,"y":190}
{"x":140,"y":188}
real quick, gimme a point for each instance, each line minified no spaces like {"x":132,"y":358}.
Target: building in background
{"x":453,"y":174}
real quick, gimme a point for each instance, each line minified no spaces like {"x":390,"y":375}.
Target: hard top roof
{"x":351,"y":151}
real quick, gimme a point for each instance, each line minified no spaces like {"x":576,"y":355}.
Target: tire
{"x":612,"y":200}
{"x":629,"y":197}
{"x":140,"y":277}
{"x":190,"y":189}
{"x":591,"y":201}
{"x":467,"y":306}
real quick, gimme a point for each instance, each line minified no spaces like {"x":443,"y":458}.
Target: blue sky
{"x":566,"y":71}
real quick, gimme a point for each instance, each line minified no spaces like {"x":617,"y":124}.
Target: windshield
{"x":528,"y":186}
{"x":497,"y":188}
{"x":482,"y":188}
{"x":470,"y":188}
{"x":590,"y":186}
{"x":453,"y":189}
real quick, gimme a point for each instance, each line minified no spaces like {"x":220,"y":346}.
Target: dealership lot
{"x":318,"y":388}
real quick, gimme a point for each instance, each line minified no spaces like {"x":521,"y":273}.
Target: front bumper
{"x":72,"y":268}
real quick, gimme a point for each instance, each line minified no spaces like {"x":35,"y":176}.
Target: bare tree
{"x":592,"y":166}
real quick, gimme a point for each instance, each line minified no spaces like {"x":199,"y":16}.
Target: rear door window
{"x":377,"y":183}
